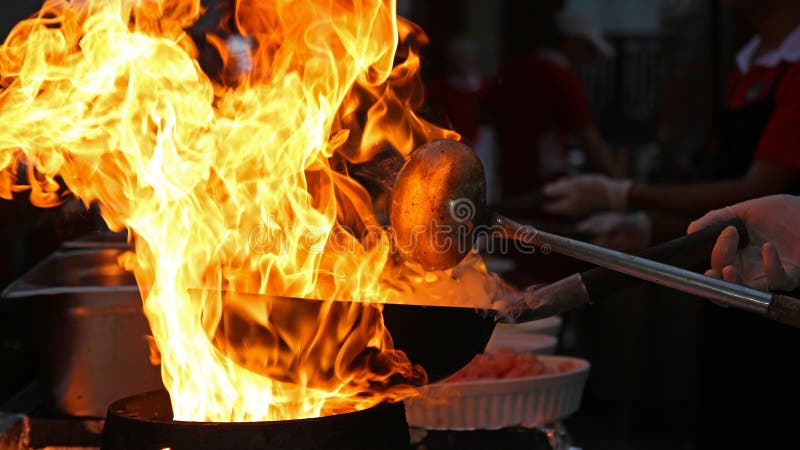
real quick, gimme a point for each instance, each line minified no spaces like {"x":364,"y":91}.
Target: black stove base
{"x":505,"y":439}
{"x":144,"y":422}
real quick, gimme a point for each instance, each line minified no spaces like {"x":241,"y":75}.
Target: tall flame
{"x":237,"y":187}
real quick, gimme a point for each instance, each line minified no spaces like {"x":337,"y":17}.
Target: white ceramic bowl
{"x":494,"y":404}
{"x":550,"y":325}
{"x":541,"y":344}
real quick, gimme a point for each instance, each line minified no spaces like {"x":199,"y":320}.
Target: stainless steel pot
{"x":90,"y":330}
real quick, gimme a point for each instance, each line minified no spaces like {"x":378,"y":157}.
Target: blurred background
{"x":656,"y":99}
{"x":649,"y":79}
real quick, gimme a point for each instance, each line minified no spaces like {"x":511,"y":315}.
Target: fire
{"x":231,"y":186}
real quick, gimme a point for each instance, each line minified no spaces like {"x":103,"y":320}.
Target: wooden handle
{"x":686,"y":252}
{"x":785,"y":309}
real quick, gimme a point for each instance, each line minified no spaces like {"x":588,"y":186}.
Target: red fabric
{"x":780,"y":142}
{"x":459,"y":106}
{"x":531,"y":98}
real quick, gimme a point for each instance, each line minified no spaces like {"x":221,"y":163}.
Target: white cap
{"x":573,"y":23}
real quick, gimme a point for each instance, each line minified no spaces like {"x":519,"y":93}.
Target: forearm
{"x":763,"y":178}
{"x":691,"y":199}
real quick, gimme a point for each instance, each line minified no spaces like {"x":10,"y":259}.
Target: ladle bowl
{"x":437,"y":202}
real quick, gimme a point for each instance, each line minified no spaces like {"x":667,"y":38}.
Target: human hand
{"x":628,"y":233}
{"x":771,"y":260}
{"x":586,"y":194}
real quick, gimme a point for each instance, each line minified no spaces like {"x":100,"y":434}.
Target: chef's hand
{"x":771,"y":260}
{"x":586,"y":194}
{"x":628,"y":233}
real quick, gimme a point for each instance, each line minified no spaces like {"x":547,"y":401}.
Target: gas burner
{"x":145,"y":422}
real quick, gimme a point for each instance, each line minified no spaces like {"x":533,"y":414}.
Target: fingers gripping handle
{"x":785,"y":309}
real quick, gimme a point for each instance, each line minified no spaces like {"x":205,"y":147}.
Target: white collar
{"x":553,"y":55}
{"x":788,"y":51}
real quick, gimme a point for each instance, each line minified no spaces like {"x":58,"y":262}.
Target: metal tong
{"x":579,"y":289}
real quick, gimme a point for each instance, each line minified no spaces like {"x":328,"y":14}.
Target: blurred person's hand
{"x":586,"y":194}
{"x":628,"y":233}
{"x":771,"y":260}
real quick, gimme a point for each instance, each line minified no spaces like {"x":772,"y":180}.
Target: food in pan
{"x":504,"y":364}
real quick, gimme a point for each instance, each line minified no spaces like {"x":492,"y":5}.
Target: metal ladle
{"x":438,"y":208}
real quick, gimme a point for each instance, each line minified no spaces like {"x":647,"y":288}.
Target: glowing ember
{"x":239,"y":188}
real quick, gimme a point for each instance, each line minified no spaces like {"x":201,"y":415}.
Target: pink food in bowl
{"x":504,"y":364}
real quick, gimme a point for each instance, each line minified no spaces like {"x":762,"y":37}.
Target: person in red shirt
{"x":538,"y":104}
{"x":758,"y":150}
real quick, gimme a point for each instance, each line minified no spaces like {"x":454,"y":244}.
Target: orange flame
{"x":231,"y":188}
